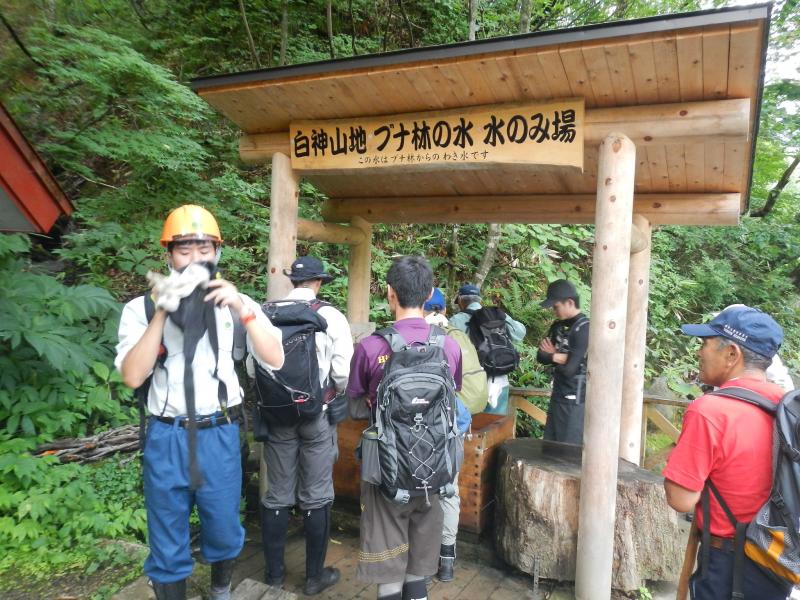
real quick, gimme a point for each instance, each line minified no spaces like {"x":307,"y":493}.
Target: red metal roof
{"x":30,"y":198}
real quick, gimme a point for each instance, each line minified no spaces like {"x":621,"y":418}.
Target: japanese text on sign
{"x":549,"y":133}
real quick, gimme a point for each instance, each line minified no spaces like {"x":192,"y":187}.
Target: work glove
{"x":170,"y":289}
{"x":337,"y":409}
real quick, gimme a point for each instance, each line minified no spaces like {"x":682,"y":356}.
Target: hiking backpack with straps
{"x":474,"y":392}
{"x":293,"y":392}
{"x":419,"y":448}
{"x":496,"y":351}
{"x":772,"y":538}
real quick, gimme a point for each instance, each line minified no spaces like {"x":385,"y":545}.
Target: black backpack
{"x":293,"y":393}
{"x":771,"y":539}
{"x":419,"y":449}
{"x":487,"y":330}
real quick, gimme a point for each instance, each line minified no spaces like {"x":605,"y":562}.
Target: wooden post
{"x":635,"y":342}
{"x":284,"y":199}
{"x":615,"y":177}
{"x":358,"y":279}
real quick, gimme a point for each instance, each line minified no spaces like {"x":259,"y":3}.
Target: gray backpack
{"x":419,"y":448}
{"x":772,"y":538}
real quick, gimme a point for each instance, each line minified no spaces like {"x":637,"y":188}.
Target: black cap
{"x":560,"y":289}
{"x":306,"y":268}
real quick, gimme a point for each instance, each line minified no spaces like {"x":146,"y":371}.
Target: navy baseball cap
{"x":560,"y":289}
{"x":306,"y":268}
{"x":436,"y":302}
{"x":469,"y":289}
{"x":748,"y":327}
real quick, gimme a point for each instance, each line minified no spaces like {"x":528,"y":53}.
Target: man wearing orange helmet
{"x":179,"y":344}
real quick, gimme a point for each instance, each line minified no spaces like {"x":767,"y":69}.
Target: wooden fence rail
{"x":519,"y":398}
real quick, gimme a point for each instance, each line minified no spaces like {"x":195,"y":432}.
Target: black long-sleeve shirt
{"x":570,"y":337}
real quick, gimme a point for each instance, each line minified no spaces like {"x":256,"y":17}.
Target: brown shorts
{"x":398,"y":539}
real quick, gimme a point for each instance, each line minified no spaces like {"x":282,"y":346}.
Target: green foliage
{"x":56,"y":349}
{"x":54,"y":518}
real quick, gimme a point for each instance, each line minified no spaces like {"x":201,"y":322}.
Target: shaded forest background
{"x":99,"y":88}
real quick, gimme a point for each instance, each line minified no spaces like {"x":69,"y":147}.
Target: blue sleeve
{"x":463,"y":417}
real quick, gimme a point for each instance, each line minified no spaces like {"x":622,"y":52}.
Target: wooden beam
{"x":328,"y":233}
{"x":284,"y":198}
{"x":604,"y":376}
{"x":635,"y":343}
{"x":358,"y":278}
{"x":655,"y":124}
{"x":659,"y":209}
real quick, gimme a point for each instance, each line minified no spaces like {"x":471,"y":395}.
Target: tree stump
{"x":538,"y":493}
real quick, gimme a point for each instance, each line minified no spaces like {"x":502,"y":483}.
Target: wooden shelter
{"x":30,"y":197}
{"x":666,"y":115}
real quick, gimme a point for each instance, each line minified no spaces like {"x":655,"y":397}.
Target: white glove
{"x":170,"y":289}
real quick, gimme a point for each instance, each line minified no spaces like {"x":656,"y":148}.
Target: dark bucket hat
{"x":306,"y":268}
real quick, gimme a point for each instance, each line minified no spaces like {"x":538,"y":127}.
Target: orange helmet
{"x":190,"y":222}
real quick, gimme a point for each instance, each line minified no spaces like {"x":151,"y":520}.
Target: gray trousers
{"x":300,"y":464}
{"x":451,"y":507}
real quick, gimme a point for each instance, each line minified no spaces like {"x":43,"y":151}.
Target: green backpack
{"x":474,"y":384}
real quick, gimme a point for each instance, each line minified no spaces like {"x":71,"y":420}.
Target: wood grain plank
{"x":529,"y":75}
{"x":599,"y":76}
{"x":619,"y":65}
{"x":714,"y":167}
{"x":553,"y":69}
{"x":577,"y":75}
{"x":659,"y":173}
{"x":715,"y":62}
{"x":645,"y":76}
{"x":735,"y":168}
{"x":666,"y":51}
{"x":695,"y":167}
{"x":676,"y":167}
{"x":690,"y":66}
{"x":744,"y":60}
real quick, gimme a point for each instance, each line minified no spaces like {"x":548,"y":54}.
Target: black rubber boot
{"x":317,"y":527}
{"x":328,"y":577}
{"x":274,"y":527}
{"x":221,"y":575}
{"x":415,"y":590}
{"x":447,"y":559}
{"x":170,"y":591}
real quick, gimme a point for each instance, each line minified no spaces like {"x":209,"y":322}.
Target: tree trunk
{"x":772,"y":197}
{"x":284,"y":33}
{"x":352,"y":27}
{"x":18,"y":41}
{"x":249,"y":35}
{"x":473,"y":19}
{"x":538,"y":487}
{"x":329,"y":11}
{"x":492,"y":239}
{"x":524,"y":16}
{"x":409,"y":26}
{"x":388,"y":23}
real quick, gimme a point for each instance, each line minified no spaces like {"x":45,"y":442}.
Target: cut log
{"x":538,"y":492}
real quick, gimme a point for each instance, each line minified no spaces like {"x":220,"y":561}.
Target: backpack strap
{"x":739,"y":539}
{"x":749,"y":396}
{"x":756,"y":399}
{"x":436,"y":336}
{"x":393,"y":337}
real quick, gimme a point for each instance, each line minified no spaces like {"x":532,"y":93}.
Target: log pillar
{"x":615,"y":178}
{"x":284,"y":198}
{"x":358,"y":279}
{"x":630,"y":436}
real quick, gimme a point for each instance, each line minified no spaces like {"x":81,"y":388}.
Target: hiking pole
{"x":688,"y":563}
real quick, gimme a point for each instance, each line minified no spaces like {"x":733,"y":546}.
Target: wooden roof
{"x":623,"y":70}
{"x":30,"y":198}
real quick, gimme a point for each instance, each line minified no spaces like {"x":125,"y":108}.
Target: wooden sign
{"x":536,"y":134}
